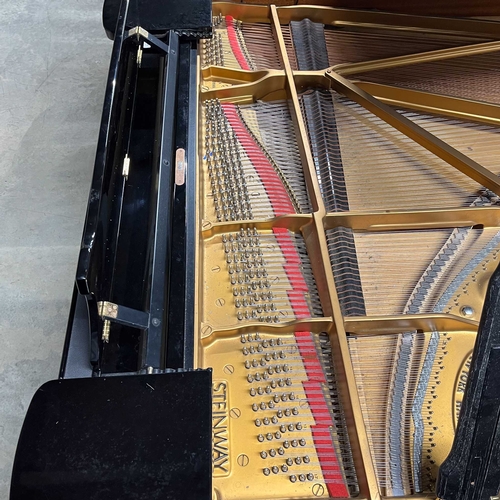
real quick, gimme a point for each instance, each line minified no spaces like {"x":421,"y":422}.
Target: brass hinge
{"x":106,"y":310}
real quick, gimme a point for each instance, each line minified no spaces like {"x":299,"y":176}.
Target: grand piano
{"x":287,"y":286}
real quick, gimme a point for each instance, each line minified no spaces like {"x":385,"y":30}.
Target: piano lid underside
{"x":347,"y":232}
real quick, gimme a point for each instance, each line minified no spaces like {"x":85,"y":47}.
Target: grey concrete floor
{"x":53,"y":67}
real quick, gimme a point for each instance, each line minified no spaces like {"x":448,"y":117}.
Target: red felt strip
{"x":311,"y":389}
{"x":314,"y":370}
{"x":325,"y":450}
{"x":309,"y":357}
{"x":329,"y":465}
{"x":299,"y":305}
{"x":292,"y":269}
{"x":234,"y":43}
{"x":276,"y":192}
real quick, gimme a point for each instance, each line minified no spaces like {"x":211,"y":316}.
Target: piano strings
{"x":241,"y":45}
{"x":253,"y":172}
{"x":253,"y":161}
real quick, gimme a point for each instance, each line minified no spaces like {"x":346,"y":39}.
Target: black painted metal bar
{"x":153,"y":342}
{"x":180,"y":314}
{"x":191,"y":212}
{"x":176,"y":305}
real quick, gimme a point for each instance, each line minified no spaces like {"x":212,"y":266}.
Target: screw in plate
{"x":228,"y":369}
{"x":235,"y":413}
{"x":318,"y":489}
{"x":206,"y":330}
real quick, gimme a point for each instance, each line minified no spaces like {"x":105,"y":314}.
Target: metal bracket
{"x":123,"y":315}
{"x":141,"y":33}
{"x":107,"y":310}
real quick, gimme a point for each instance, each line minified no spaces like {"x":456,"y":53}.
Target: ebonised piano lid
{"x":192,"y":18}
{"x":124,"y":437}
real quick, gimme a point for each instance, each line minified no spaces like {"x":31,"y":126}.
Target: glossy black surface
{"x":191,"y":197}
{"x":181,"y":306}
{"x":75,"y":362}
{"x":153,"y":341}
{"x":129,"y":263}
{"x":114,"y":434}
{"x":117,"y":438}
{"x":125,"y":256}
{"x":87,"y":276}
{"x":189,"y":17}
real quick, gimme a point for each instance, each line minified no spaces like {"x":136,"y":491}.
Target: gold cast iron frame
{"x":240,"y":86}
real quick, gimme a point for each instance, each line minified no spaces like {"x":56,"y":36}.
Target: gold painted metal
{"x":418,"y":58}
{"x":261,"y":85}
{"x":238,"y":466}
{"x":464,"y":109}
{"x":359,"y":439}
{"x":218,"y":298}
{"x":415,"y":219}
{"x":416,"y":133}
{"x":292,"y":222}
{"x":377,"y":20}
{"x":248,"y":13}
{"x":468,"y":301}
{"x":387,"y":325}
{"x":300,"y":127}
{"x":314,"y":325}
{"x":235,"y":76}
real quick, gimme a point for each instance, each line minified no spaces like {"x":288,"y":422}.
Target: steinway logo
{"x":220,"y":429}
{"x":460,"y":385}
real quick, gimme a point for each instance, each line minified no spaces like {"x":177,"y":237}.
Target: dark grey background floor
{"x":53,"y":67}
